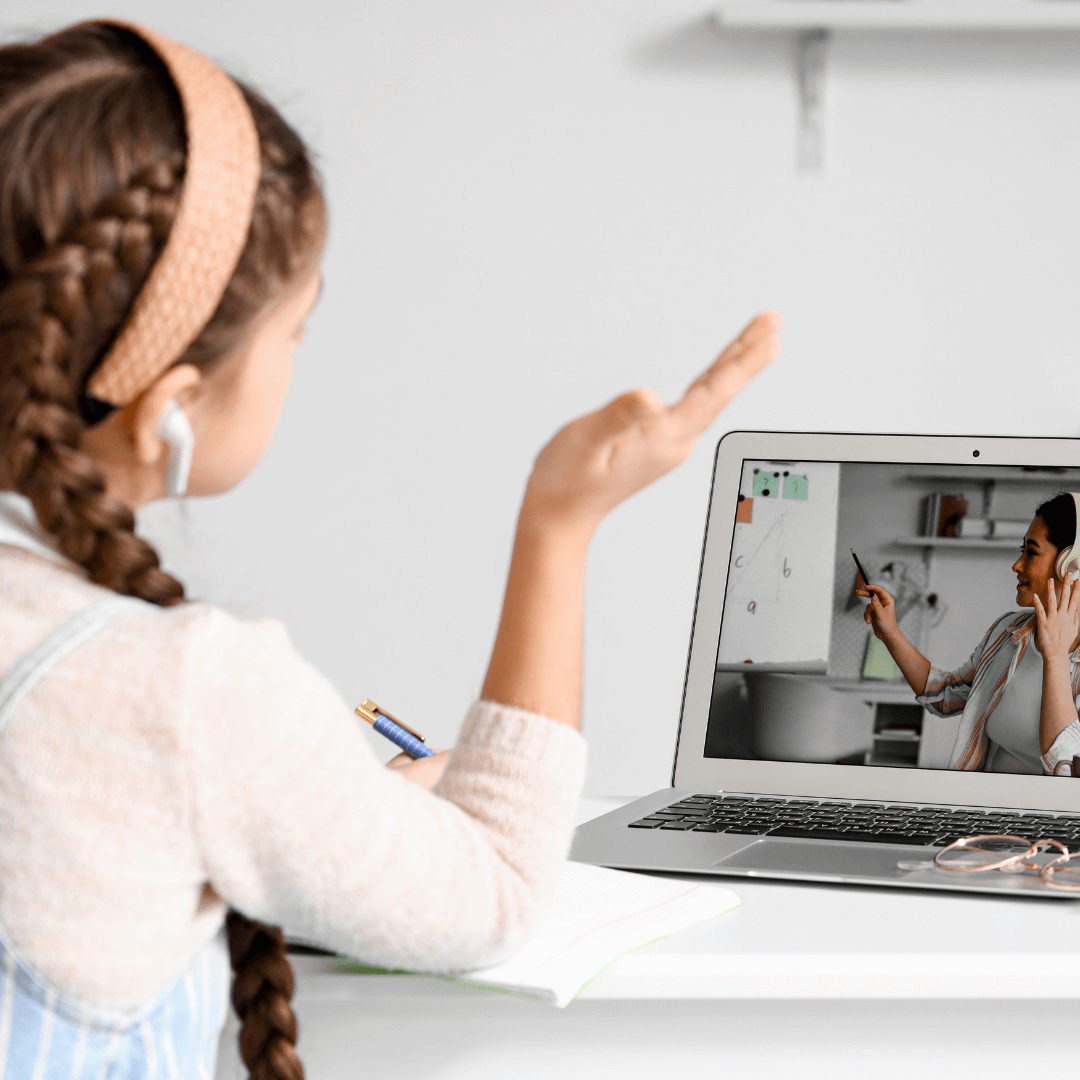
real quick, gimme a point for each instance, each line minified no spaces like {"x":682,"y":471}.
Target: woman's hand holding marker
{"x":880,"y":613}
{"x":1058,"y":623}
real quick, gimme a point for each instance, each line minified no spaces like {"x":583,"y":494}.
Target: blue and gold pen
{"x":412,"y":742}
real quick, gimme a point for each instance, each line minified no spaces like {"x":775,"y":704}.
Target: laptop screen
{"x":947,"y":671}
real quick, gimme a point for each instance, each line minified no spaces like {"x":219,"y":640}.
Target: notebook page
{"x":594,"y":916}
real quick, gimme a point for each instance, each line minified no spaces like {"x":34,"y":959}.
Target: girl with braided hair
{"x":165,"y":769}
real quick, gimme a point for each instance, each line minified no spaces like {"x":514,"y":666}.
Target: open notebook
{"x":594,"y":917}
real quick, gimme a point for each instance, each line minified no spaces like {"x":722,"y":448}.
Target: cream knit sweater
{"x":182,"y":761}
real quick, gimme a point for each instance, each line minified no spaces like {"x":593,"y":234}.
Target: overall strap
{"x":26,"y":673}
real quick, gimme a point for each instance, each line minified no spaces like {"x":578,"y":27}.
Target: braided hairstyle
{"x":92,"y":146}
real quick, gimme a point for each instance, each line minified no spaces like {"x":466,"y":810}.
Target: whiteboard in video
{"x":778,"y":605}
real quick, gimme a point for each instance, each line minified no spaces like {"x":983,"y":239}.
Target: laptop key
{"x":682,"y":826}
{"x":749,"y":830}
{"x":646,"y":823}
{"x":883,"y":837}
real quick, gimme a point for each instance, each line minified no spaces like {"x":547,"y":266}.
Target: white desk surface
{"x":823,"y":941}
{"x":804,"y":981}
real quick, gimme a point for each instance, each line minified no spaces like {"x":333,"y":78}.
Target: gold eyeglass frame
{"x":1019,"y":862}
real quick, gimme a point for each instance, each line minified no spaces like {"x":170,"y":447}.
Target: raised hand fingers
{"x":707,"y":395}
{"x":1072,"y":603}
{"x":1064,"y":593}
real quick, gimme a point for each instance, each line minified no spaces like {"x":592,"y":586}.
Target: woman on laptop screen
{"x":1017,"y":694}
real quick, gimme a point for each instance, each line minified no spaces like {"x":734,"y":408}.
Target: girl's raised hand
{"x":1057,"y":624}
{"x":602,"y":458}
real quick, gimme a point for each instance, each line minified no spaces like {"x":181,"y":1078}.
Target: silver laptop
{"x":803,"y":752}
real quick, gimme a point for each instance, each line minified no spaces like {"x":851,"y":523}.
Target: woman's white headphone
{"x":1068,"y":559}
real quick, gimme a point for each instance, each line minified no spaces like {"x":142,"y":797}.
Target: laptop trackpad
{"x":816,"y":859}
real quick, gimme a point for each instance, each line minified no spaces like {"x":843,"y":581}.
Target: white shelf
{"x":1034,"y":478}
{"x":900,"y":14}
{"x":814,"y":21}
{"x":1005,"y":543}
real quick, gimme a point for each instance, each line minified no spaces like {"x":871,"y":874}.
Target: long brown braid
{"x":92,"y":151}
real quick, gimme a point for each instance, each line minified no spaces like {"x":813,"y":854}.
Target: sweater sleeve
{"x":301,"y":826}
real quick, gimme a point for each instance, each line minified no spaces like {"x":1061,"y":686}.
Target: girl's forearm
{"x":915,"y":666}
{"x":536,"y":661}
{"x":1058,"y":707}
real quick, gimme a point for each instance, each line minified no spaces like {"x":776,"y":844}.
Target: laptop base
{"x":608,"y":841}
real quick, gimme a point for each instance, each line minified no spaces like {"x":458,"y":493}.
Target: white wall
{"x":538,"y":204}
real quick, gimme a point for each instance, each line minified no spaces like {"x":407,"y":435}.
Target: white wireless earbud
{"x":175,"y":431}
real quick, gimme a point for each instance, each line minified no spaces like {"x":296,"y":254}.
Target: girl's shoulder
{"x":146,"y":653}
{"x":217,"y":656}
{"x":206,"y":643}
{"x":44,"y":596}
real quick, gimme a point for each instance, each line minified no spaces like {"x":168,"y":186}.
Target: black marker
{"x":859,"y":567}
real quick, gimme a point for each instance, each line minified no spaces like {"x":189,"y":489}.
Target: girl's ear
{"x":148,"y":408}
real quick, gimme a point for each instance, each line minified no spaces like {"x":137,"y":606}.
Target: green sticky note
{"x":795,"y":487}
{"x":879,"y":663}
{"x":767,"y":484}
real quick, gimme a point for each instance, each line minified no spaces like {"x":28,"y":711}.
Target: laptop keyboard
{"x":876,"y":823}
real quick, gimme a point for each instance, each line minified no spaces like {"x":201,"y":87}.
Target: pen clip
{"x":368,"y":710}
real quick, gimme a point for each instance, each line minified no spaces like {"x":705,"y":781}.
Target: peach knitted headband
{"x":208,"y":233}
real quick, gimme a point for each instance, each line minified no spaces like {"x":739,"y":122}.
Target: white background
{"x":536,"y":205}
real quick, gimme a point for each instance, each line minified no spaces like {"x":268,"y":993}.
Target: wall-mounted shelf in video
{"x":1026,"y":478}
{"x":956,"y":542}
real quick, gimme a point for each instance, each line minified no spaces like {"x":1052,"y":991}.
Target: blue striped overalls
{"x":45,"y":1035}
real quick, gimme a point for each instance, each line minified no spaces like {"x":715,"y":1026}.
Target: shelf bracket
{"x":811,"y":49}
